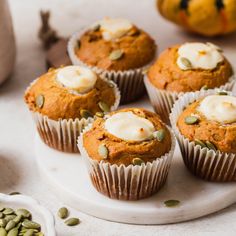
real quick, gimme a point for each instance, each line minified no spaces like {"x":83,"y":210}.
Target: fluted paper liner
{"x":63,"y":134}
{"x":129,"y":82}
{"x":202,"y":162}
{"x":162,"y":100}
{"x":128,"y":182}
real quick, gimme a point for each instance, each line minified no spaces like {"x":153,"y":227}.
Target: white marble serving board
{"x":67,"y":175}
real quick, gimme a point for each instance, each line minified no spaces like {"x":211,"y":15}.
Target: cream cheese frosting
{"x":220,"y":108}
{"x":199,"y":56}
{"x":77,"y":78}
{"x":114,"y":28}
{"x":129,"y":127}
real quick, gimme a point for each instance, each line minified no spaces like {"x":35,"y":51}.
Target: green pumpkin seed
{"x":116,"y":55}
{"x":103,"y":106}
{"x":63,"y":213}
{"x":3,"y":223}
{"x":31,"y":224}
{"x":29,"y":232}
{"x":172,"y":203}
{"x":9,"y":217}
{"x":159,"y":135}
{"x":137,"y":161}
{"x":85,"y":113}
{"x":205,"y":87}
{"x":222,"y":93}
{"x":72,"y":221}
{"x":186,"y":62}
{"x":10,"y":225}
{"x":96,"y":28}
{"x":190,"y":120}
{"x":211,"y":146}
{"x":3,"y":232}
{"x":17,"y":219}
{"x":99,"y":114}
{"x":14,"y":193}
{"x":23,"y":212}
{"x":13,"y":232}
{"x":103,"y":151}
{"x":199,"y":142}
{"x":1,"y":215}
{"x":2,"y":208}
{"x":111,"y":84}
{"x":8,"y":211}
{"x":78,"y":44}
{"x":40,"y":101}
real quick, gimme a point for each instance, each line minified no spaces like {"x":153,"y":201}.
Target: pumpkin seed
{"x":10,"y":225}
{"x":222,"y":93}
{"x":1,"y":215}
{"x":40,"y":101}
{"x":3,"y":232}
{"x":103,"y":151}
{"x":30,"y":224}
{"x":72,"y":221}
{"x":96,"y":28}
{"x":99,"y":114}
{"x":2,"y":208}
{"x":111,"y":84}
{"x":199,"y":142}
{"x":190,"y":120}
{"x":14,"y":193}
{"x":23,"y":212}
{"x":13,"y":232}
{"x":8,"y":211}
{"x":186,"y":62}
{"x":103,"y":106}
{"x":211,"y":146}
{"x":3,"y":223}
{"x":137,"y":161}
{"x":29,"y":232}
{"x":85,"y":113}
{"x":10,"y":217}
{"x":205,"y":87}
{"x":214,"y":46}
{"x":159,"y":135}
{"x":63,"y":213}
{"x":17,"y":219}
{"x":172,"y":203}
{"x":78,"y":44}
{"x":116,"y":55}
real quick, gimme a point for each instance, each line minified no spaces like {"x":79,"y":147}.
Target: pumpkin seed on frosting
{"x":103,"y":151}
{"x":186,"y":62}
{"x":137,"y":161}
{"x":191,"y":120}
{"x":40,"y":101}
{"x":159,"y":135}
{"x":103,"y":106}
{"x":116,"y":55}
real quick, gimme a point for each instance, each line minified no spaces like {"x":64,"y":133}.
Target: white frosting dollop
{"x":200,"y":55}
{"x":220,"y":108}
{"x":77,"y":78}
{"x":114,"y":28}
{"x":129,"y":127}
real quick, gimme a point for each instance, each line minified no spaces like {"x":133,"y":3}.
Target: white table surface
{"x":18,"y":170}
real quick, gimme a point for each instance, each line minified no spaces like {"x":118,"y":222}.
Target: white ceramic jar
{"x":7,"y":42}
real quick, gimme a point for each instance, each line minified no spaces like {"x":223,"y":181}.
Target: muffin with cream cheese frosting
{"x":117,"y":48}
{"x":64,"y":100}
{"x":132,"y":145}
{"x":205,"y":125}
{"x":187,"y":68}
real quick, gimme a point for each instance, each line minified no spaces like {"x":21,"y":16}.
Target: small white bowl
{"x":40,"y":214}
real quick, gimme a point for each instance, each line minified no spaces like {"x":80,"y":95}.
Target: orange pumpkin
{"x":205,"y":17}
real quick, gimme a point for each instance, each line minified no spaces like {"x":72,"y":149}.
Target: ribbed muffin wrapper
{"x":202,"y":162}
{"x":162,"y":100}
{"x":130,"y":82}
{"x":128,"y":182}
{"x":62,"y":134}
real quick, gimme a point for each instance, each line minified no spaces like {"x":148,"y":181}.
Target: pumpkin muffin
{"x":66,"y":99}
{"x":206,"y":131}
{"x":126,"y":143}
{"x":186,"y":68}
{"x":118,"y":49}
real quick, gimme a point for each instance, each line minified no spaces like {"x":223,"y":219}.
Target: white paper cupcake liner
{"x":129,"y":82}
{"x":162,"y":100}
{"x":128,"y":182}
{"x":63,"y":134}
{"x":202,"y":162}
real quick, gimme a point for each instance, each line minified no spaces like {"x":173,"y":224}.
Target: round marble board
{"x":67,"y":175}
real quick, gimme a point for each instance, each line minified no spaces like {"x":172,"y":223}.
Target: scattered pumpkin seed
{"x":17,"y":219}
{"x":96,"y":28}
{"x":3,"y":223}
{"x":103,"y":106}
{"x":159,"y":135}
{"x":13,"y":232}
{"x":3,"y":232}
{"x":137,"y":161}
{"x":211,"y":146}
{"x":199,"y":142}
{"x":99,"y":114}
{"x":14,"y":193}
{"x":186,"y":62}
{"x":63,"y":213}
{"x":23,"y":212}
{"x":1,"y":215}
{"x":222,"y":93}
{"x":29,"y":232}
{"x":190,"y":120}
{"x":2,"y":208}
{"x":30,"y":224}
{"x":172,"y":203}
{"x":205,"y":87}
{"x":78,"y":44}
{"x":103,"y":151}
{"x":10,"y":217}
{"x":8,"y":211}
{"x":40,"y":101}
{"x":116,"y":55}
{"x":85,"y":113}
{"x":72,"y":221}
{"x":10,"y":225}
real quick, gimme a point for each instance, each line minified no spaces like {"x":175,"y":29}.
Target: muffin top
{"x":70,"y":92}
{"x":128,"y":136}
{"x":115,"y":44}
{"x":211,"y":122}
{"x":190,"y":67}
